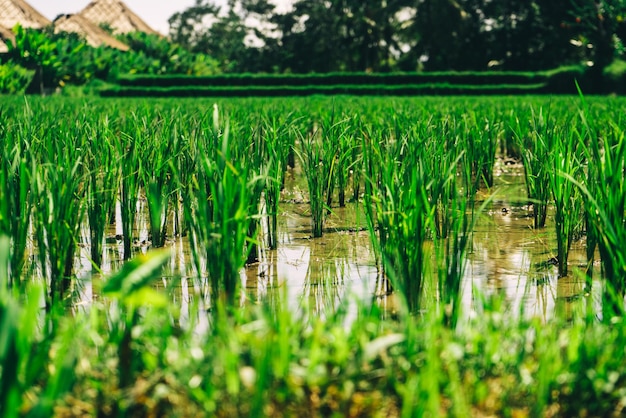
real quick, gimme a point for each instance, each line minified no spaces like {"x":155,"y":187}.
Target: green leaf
{"x":136,"y":274}
{"x":146,"y":296}
{"x":9,"y":359}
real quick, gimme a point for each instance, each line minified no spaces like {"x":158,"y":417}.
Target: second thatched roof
{"x":93,"y":34}
{"x":116,"y":15}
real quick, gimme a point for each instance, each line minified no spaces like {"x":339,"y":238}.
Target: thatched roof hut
{"x":5,"y":35}
{"x":116,"y":15}
{"x":13,"y":12}
{"x":93,"y":34}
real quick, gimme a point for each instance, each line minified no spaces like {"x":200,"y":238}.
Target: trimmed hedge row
{"x":558,"y":81}
{"x":337,"y":79}
{"x":363,"y":90}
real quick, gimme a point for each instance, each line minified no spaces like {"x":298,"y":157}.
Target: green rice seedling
{"x":451,"y":247}
{"x":16,"y":196}
{"x":605,"y":211}
{"x":481,"y":144}
{"x":248,"y":149}
{"x":129,"y":185}
{"x":565,"y":159}
{"x":103,"y":175}
{"x":257,"y":184}
{"x":398,"y":212}
{"x":184,"y":167}
{"x":60,"y":188}
{"x":276,"y":133}
{"x":197,"y":198}
{"x":533,"y":143}
{"x":219,"y":220}
{"x":453,"y":207}
{"x":372,"y":184}
{"x":441,"y":158}
{"x":318,"y":164}
{"x":157,"y":153}
{"x":356,"y":172}
{"x":338,"y":137}
{"x":10,"y":390}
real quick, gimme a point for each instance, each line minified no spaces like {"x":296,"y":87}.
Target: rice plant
{"x":481,"y":144}
{"x":16,"y":195}
{"x":398,"y":212}
{"x":129,"y":183}
{"x":318,"y":163}
{"x":605,"y":210}
{"x":339,"y":139}
{"x":60,"y":188}
{"x":454,"y":226}
{"x":420,"y":162}
{"x":220,"y":219}
{"x":31,"y":356}
{"x":276,"y":133}
{"x":103,"y":176}
{"x":565,"y":159}
{"x":157,"y":154}
{"x":533,"y":141}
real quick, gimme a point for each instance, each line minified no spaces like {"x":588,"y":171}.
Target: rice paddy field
{"x":322,"y":256}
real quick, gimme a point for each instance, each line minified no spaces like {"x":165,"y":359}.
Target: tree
{"x":449,"y":35}
{"x":388,"y":35}
{"x":602,"y":28}
{"x":343,"y":35}
{"x":229,"y":34}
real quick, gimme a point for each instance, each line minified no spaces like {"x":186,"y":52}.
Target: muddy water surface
{"x":508,"y":260}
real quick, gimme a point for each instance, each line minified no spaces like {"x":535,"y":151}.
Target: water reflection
{"x":507,"y":259}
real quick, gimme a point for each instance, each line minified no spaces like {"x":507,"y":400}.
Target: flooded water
{"x":508,"y":259}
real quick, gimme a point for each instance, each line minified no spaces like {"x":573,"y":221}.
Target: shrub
{"x":615,"y":76}
{"x":14,"y":79}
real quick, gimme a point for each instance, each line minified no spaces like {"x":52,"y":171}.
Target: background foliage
{"x":408,"y":35}
{"x":312,"y":36}
{"x":57,"y":59}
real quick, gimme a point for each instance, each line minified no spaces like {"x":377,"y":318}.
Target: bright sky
{"x":154,"y":12}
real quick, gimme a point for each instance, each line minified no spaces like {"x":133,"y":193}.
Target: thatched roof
{"x":116,"y":15}
{"x":93,"y":34}
{"x":13,"y":12}
{"x":5,"y":34}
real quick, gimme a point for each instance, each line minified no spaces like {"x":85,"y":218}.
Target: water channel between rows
{"x":508,"y":259}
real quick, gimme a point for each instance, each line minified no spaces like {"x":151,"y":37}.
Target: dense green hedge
{"x":365,"y":89}
{"x":561,"y":80}
{"x":333,"y":79}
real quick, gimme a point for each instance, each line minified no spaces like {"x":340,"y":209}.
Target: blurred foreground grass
{"x":129,"y":356}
